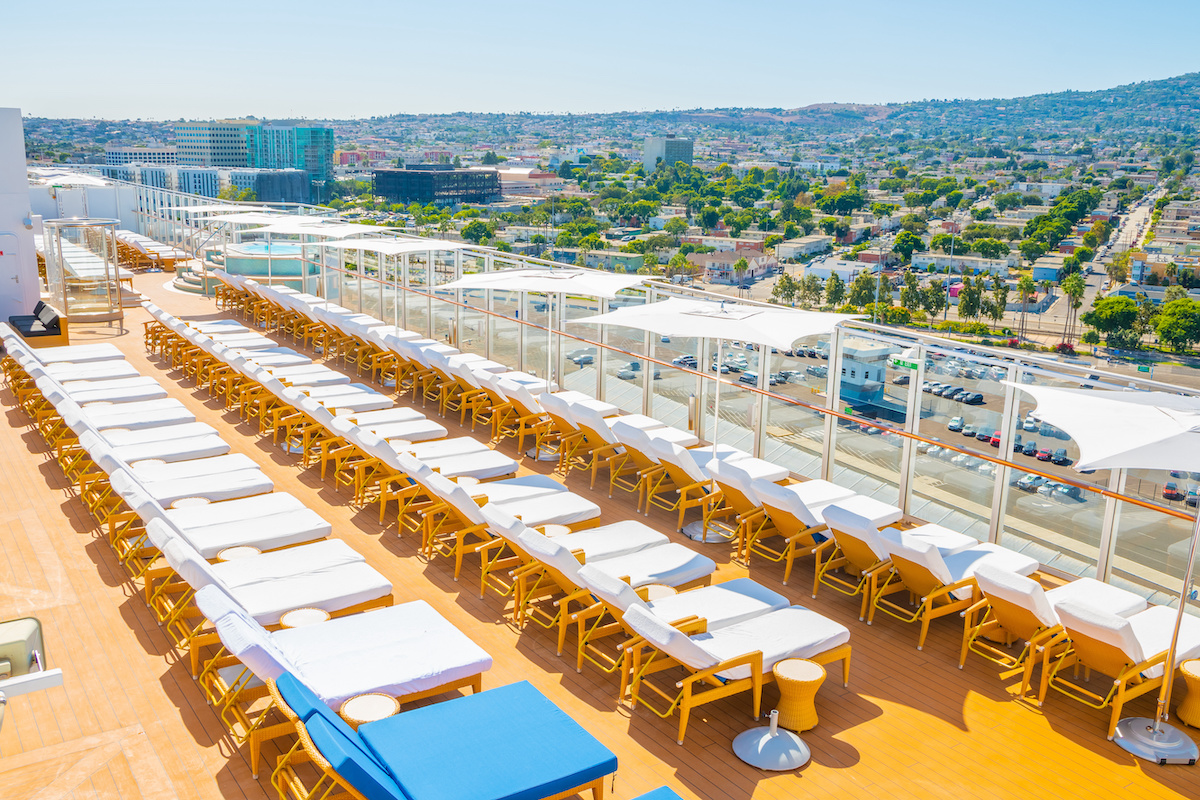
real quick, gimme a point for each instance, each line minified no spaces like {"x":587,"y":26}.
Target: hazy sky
{"x":303,"y":58}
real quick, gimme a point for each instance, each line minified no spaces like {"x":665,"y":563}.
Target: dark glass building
{"x":440,"y":184}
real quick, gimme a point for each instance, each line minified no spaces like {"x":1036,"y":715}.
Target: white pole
{"x":1164,"y":697}
{"x":717,"y":404}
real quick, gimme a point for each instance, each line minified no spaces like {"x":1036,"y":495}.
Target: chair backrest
{"x":593,"y":425}
{"x":350,"y":759}
{"x":135,"y":496}
{"x":1102,"y":640}
{"x":735,"y":485}
{"x":669,"y":639}
{"x":521,"y":397}
{"x":559,"y":410}
{"x":244,"y":638}
{"x":502,"y":523}
{"x":637,"y":441}
{"x":856,"y":536}
{"x":615,"y":592}
{"x":305,"y":704}
{"x":781,"y":503}
{"x":181,"y":556}
{"x":457,"y":498}
{"x":678,"y":459}
{"x":919,"y":563}
{"x":558,"y":560}
{"x":1015,"y":600}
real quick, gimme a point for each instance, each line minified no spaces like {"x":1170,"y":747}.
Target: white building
{"x":846,"y":270}
{"x":974,"y":265}
{"x":668,"y":149}
{"x":803,"y":246}
{"x":115,"y":154}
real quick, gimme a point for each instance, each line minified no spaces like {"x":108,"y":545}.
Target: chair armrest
{"x":752,"y":660}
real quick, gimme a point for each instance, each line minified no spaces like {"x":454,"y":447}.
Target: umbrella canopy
{"x":1115,"y":429}
{"x":550,"y":280}
{"x":703,"y":319}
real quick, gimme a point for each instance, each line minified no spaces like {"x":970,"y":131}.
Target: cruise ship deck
{"x":129,"y":721}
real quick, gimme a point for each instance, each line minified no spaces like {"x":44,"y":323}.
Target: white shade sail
{"x":703,"y":319}
{"x":550,"y":280}
{"x":1117,"y":429}
{"x":315,"y":226}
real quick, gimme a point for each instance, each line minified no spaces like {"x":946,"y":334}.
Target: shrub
{"x":1065,"y":349}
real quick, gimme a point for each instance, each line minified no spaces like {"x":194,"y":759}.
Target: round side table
{"x":363,"y":708}
{"x":1188,"y":711}
{"x":798,"y":679}
{"x":299,"y":617}
{"x":657,"y":591}
{"x":239,"y":551}
{"x":553,"y":529}
{"x":190,"y":502}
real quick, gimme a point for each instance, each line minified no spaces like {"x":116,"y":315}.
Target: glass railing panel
{"x":1151,"y":548}
{"x":671,"y":393}
{"x":534,"y":345}
{"x":472,"y":332}
{"x":1058,"y":525}
{"x":952,"y":489}
{"x":625,"y":374}
{"x":506,"y":330}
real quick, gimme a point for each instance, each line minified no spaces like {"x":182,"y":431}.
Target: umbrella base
{"x":1167,"y":745}
{"x":695,"y":531}
{"x":771,"y":748}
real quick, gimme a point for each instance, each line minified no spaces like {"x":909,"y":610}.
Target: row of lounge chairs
{"x":140,"y":253}
{"x":408,"y":651}
{"x":914,"y":572}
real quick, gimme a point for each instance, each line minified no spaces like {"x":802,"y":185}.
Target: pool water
{"x":263,"y":249}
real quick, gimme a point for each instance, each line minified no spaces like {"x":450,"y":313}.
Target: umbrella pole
{"x":1152,"y":739}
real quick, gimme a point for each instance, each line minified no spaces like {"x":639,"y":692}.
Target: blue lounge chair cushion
{"x":350,"y":760}
{"x":464,"y":749}
{"x":307,"y":705}
{"x":661,"y":793}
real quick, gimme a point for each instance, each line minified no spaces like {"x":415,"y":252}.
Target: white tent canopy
{"x":265,"y":216}
{"x":550,"y":280}
{"x":726,"y":320}
{"x":314,"y":226}
{"x":222,"y":209}
{"x":394,"y":247}
{"x":1114,"y":429}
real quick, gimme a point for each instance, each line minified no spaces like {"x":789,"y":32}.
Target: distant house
{"x":803,"y":246}
{"x":846,"y":270}
{"x":974,"y":265}
{"x":718,"y":266}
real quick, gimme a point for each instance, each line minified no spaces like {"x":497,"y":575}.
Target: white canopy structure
{"x":550,"y":280}
{"x":1135,"y":430}
{"x":220,"y":209}
{"x":266,"y":217}
{"x":704,"y":319}
{"x":1115,"y":429}
{"x":314,"y":226}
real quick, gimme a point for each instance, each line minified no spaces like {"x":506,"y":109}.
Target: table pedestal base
{"x":771,"y":748}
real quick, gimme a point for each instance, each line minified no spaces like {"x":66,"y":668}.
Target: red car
{"x":996,"y":439}
{"x":1044,"y":455}
{"x":1171,"y":491}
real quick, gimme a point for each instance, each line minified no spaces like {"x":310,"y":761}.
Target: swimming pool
{"x":280,"y":263}
{"x":263,"y":249}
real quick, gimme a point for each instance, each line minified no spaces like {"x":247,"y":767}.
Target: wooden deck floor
{"x":129,"y":722}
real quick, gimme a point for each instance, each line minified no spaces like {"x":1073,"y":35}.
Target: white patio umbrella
{"x":771,"y":327}
{"x":1135,"y":430}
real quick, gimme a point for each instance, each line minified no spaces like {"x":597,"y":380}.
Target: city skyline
{"x":588,"y":59}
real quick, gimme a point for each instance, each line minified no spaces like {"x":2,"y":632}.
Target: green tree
{"x":708,"y":217}
{"x":566,"y":170}
{"x":1025,"y":291}
{"x":785,"y":288}
{"x":810,"y":290}
{"x":1178,"y":324}
{"x":835,"y":290}
{"x":910,"y":293}
{"x":1174,"y":293}
{"x":862,"y":289}
{"x":490,"y":158}
{"x":827,"y":225}
{"x":675,"y":226}
{"x":475,"y":231}
{"x":990,"y":248}
{"x":933,"y":300}
{"x":970,"y":297}
{"x":1032,"y":250}
{"x":906,"y":243}
{"x":1115,"y":318}
{"x":999,"y":303}
{"x":739,"y":267}
{"x":1073,"y":286}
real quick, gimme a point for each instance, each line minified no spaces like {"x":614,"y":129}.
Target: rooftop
{"x":129,"y":722}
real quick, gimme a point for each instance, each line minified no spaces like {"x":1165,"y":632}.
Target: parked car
{"x":1060,"y":457}
{"x":901,"y":380}
{"x":584,"y":359}
{"x":626,"y":374}
{"x":1030,"y":449}
{"x":1178,"y":474}
{"x":1064,"y":493}
{"x":1030,"y":483}
{"x":972,"y":399}
{"x":983,"y":435}
{"x":1017,"y":446}
{"x":1030,"y":425}
{"x":995,"y":442}
{"x":924,"y":447}
{"x":955,"y":425}
{"x":969,"y":431}
{"x":1171,"y":491}
{"x":750,"y":378}
{"x":1193,"y":495}
{"x":725,"y":370}
{"x":1047,"y":488}
{"x":1044,"y":454}
{"x":818,"y":371}
{"x":685,"y":361}
{"x":935,"y":451}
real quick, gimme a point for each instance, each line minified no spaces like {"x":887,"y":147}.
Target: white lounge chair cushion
{"x":172,"y":450}
{"x":79,"y":354}
{"x":401,"y":650}
{"x":960,"y":565}
{"x":1097,"y":594}
{"x":227,"y":486}
{"x":122,"y":416}
{"x":264,"y":531}
{"x":217,"y":326}
{"x":946,"y":541}
{"x":803,"y":501}
{"x":323,"y":392}
{"x":359,"y":401}
{"x":669,"y":564}
{"x":316,"y":375}
{"x":695,"y":462}
{"x":740,"y":474}
{"x":839,"y":519}
{"x":793,"y":632}
{"x":560,"y":408}
{"x":1140,"y":637}
{"x":612,"y":541}
{"x":876,"y":512}
{"x":417,"y":430}
{"x":164,"y":433}
{"x":244,"y":341}
{"x":92,"y":371}
{"x":1027,"y":593}
{"x":153,"y":473}
{"x":722,"y":605}
{"x":369,"y":419}
{"x":72,"y":387}
{"x":273,"y":357}
{"x":458,"y":446}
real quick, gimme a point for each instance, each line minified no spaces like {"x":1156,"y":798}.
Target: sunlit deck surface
{"x":130,"y":722}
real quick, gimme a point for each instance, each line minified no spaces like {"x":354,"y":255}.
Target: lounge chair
{"x":687,"y":478}
{"x":405,"y":757}
{"x":943,"y":584}
{"x":854,"y":547}
{"x":1017,"y":608}
{"x":1130,"y":650}
{"x":726,"y":661}
{"x":720,"y":605}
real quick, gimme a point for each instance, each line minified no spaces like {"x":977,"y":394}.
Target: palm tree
{"x":740,"y":266}
{"x":1073,"y":287}
{"x":1025,"y":288}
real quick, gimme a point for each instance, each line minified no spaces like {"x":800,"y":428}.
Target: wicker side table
{"x":1188,"y":711}
{"x":363,"y":708}
{"x":799,"y":680}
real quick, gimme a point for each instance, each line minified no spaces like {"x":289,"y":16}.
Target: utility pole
{"x":953,"y":238}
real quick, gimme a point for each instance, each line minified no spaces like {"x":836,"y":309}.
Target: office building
{"x":252,"y":144}
{"x":440,"y":184}
{"x":213,"y":144}
{"x":667,"y":149}
{"x":116,"y":154}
